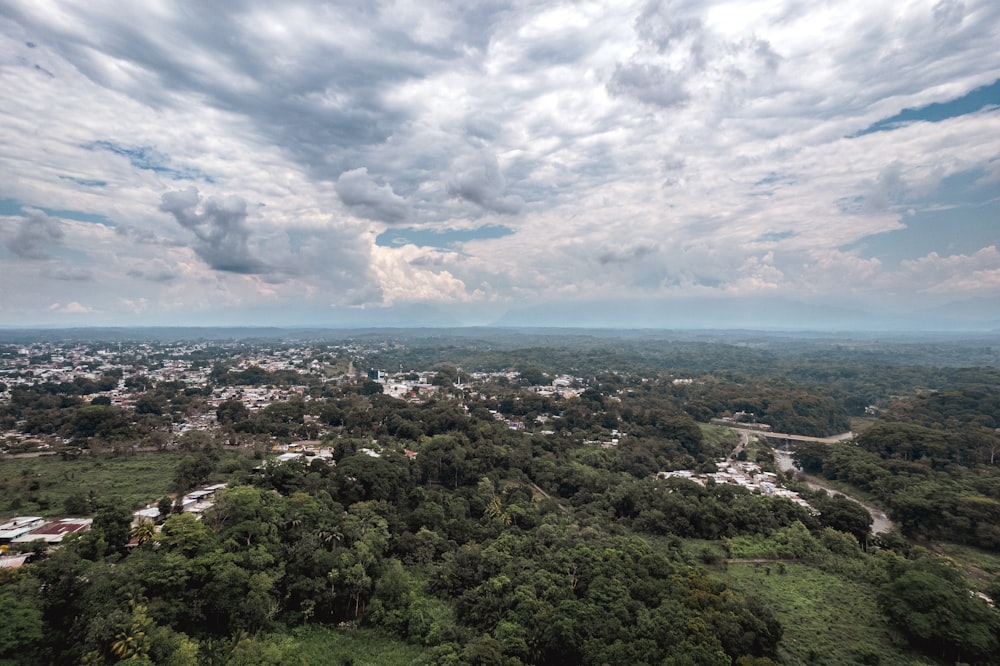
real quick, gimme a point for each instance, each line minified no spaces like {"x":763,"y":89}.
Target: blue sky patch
{"x":86,"y":182}
{"x":13,"y":207}
{"x":148,"y":158}
{"x":971,"y":102}
{"x":773,"y":236}
{"x":440,"y":239}
{"x":962,"y":220}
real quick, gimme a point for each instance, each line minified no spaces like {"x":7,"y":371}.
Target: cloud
{"x":70,"y":308}
{"x":949,"y":13}
{"x":976,"y":273}
{"x":626,"y":254}
{"x":35,"y":235}
{"x":359,"y":192}
{"x":480,"y":182}
{"x":143,"y":157}
{"x":411,"y":274}
{"x":661,"y":25}
{"x":163,"y":275}
{"x":650,"y":84}
{"x":72,"y":274}
{"x":889,"y":188}
{"x":220,"y":228}
{"x":657,"y":148}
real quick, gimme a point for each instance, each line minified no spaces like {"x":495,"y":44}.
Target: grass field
{"x":40,"y":486}
{"x":718,"y":438}
{"x":861,"y":423}
{"x":982,"y":566}
{"x":826,"y":619}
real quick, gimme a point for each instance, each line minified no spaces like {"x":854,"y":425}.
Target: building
{"x":18,"y":527}
{"x":56,"y":531}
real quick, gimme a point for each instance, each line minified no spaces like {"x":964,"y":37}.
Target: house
{"x":56,"y":531}
{"x":14,"y":561}
{"x":19,"y":526}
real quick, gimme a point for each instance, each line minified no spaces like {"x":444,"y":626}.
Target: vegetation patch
{"x":50,"y":486}
{"x":826,"y":619}
{"x":359,"y":647}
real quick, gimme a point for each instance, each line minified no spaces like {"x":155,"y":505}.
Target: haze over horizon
{"x":775,"y":164}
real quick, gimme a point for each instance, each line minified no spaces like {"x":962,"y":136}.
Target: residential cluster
{"x":745,"y":474}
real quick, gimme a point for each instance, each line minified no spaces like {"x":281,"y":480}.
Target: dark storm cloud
{"x":220,"y":228}
{"x":482,"y":183}
{"x":359,"y":192}
{"x":35,"y":235}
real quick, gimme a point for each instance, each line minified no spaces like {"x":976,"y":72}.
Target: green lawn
{"x":40,"y":486}
{"x":826,"y":619}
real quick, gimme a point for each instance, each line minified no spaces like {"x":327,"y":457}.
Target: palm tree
{"x":143,"y":532}
{"x":134,"y":641}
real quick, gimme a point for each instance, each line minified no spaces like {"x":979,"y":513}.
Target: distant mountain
{"x":980,"y":313}
{"x":759,"y":314}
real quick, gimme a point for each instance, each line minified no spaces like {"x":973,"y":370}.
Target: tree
{"x":931,"y":603}
{"x":22,"y":624}
{"x":844,"y":515}
{"x":143,"y":532}
{"x":192,"y":471}
{"x":113,"y":522}
{"x":133,"y":643}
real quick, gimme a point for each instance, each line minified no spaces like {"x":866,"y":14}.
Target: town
{"x":428,"y":494}
{"x":206,"y":378}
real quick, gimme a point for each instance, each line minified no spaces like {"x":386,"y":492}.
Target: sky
{"x":750,"y":163}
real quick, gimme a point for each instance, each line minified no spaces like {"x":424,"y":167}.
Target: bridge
{"x":844,"y":436}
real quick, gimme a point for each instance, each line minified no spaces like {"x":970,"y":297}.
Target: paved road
{"x":834,"y":439}
{"x":880,"y":521}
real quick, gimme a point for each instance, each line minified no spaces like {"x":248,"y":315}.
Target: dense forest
{"x":442,"y":528}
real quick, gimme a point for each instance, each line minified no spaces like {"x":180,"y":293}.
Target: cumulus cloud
{"x":976,"y":273}
{"x":70,"y":308}
{"x":480,"y":182}
{"x":406,"y":277}
{"x":219,"y":227}
{"x":359,"y":192}
{"x":35,"y":235}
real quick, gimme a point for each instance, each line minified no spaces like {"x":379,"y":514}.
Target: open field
{"x":859,"y":424}
{"x":720,"y":438}
{"x":826,"y":619}
{"x":41,"y":486}
{"x":982,"y":566}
